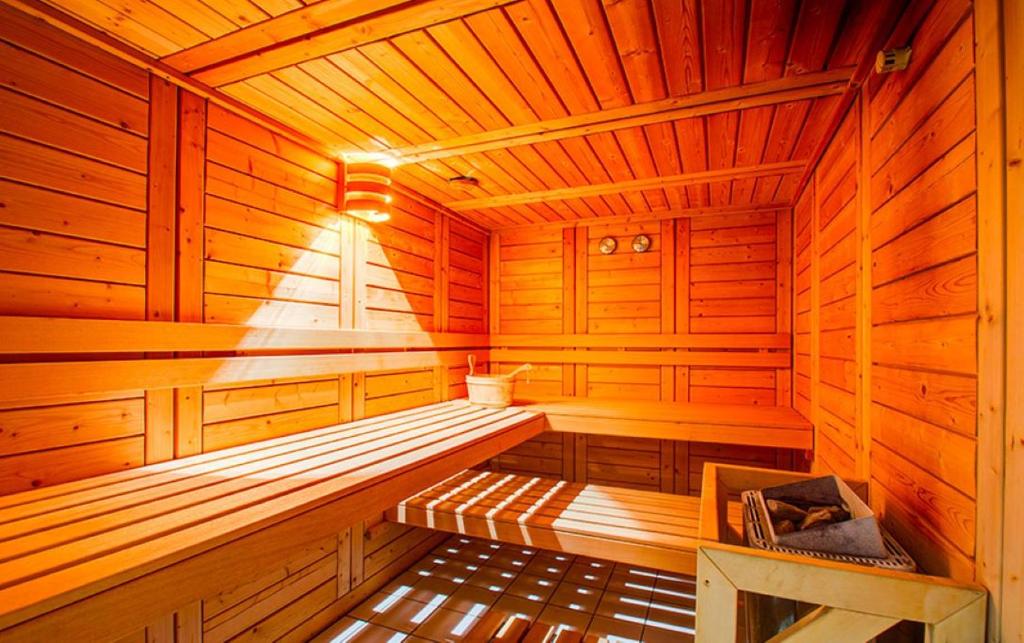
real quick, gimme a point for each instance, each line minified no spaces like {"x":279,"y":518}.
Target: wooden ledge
{"x":765,"y":426}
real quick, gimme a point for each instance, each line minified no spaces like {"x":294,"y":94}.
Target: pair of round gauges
{"x":641,"y":243}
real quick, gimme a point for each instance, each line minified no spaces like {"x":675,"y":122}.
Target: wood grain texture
{"x":453,"y":429}
{"x":894,"y":380}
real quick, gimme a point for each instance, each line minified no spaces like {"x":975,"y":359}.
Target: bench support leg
{"x":717,"y":601}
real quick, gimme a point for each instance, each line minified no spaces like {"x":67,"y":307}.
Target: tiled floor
{"x":441,"y":597}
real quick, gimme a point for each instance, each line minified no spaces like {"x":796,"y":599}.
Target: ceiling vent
{"x":463,"y":182}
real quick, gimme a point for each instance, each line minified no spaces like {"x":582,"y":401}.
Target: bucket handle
{"x":521,"y":369}
{"x":472,"y":364}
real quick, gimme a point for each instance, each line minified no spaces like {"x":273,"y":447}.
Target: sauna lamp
{"x":368,"y":191}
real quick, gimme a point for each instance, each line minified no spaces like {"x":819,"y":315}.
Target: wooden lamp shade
{"x":368,"y":191}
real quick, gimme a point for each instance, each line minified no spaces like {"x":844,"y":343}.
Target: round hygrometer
{"x":641,"y":243}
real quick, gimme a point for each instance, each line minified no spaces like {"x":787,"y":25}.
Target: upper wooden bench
{"x":133,"y":545}
{"x":763,"y":426}
{"x":645,"y":528}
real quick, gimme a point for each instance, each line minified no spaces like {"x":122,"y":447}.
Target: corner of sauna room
{"x":549,"y":321}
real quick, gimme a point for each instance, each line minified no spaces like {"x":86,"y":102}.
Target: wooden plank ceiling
{"x":561,"y":109}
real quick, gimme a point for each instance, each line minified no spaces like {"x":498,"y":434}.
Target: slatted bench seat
{"x":624,"y":525}
{"x":763,"y":426}
{"x":108,"y":554}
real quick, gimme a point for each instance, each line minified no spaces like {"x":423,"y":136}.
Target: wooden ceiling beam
{"x":692,"y":178}
{"x":771,"y":92}
{"x":314,"y":32}
{"x":653,"y":215}
{"x":285,"y":27}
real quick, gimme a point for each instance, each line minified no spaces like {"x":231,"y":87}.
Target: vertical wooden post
{"x":345,"y":409}
{"x":493,"y":294}
{"x":681,"y":470}
{"x":344,"y":574}
{"x":667,"y":462}
{"x":161,"y":630}
{"x":191,"y":222}
{"x":682,"y":316}
{"x":999,"y":41}
{"x":188,"y":623}
{"x":360,"y":237}
{"x":580,"y":457}
{"x":160,"y":251}
{"x":784,"y":300}
{"x":442,"y":257}
{"x":815,"y":318}
{"x":356,"y":562}
{"x":1013,"y":420}
{"x":440,"y":383}
{"x":494,"y":283}
{"x":442,"y":273}
{"x":485,"y":285}
{"x":568,"y":456}
{"x":347,"y":258}
{"x":668,"y":301}
{"x":191,"y":207}
{"x":188,"y":421}
{"x":582,"y":299}
{"x":358,"y":396}
{"x":863,"y":296}
{"x":568,"y":302}
{"x":162,"y":200}
{"x":716,"y":597}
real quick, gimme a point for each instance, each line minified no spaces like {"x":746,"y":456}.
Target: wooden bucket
{"x":494,"y":391}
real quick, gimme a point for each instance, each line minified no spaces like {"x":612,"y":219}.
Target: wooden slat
{"x":663,"y":340}
{"x":31,"y":383}
{"x":635,"y":527}
{"x":272,"y":32}
{"x":692,"y":178}
{"x":651,"y":358}
{"x":741,"y":424}
{"x":696,"y":105}
{"x":64,"y":335}
{"x":360,"y":28}
{"x":171,"y":540}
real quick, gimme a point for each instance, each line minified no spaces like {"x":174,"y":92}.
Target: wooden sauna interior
{"x":232,"y":407}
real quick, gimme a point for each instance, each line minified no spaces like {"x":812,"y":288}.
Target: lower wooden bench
{"x":102,"y":557}
{"x":624,"y":525}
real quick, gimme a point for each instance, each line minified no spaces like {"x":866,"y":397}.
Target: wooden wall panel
{"x":542,"y":456}
{"x":886,"y":292}
{"x":400,"y":269}
{"x":802,"y":284}
{"x":73,"y":159}
{"x":709,"y":275}
{"x":467,"y":279}
{"x":73,"y":234}
{"x":530,"y":281}
{"x":670,"y":466}
{"x":706,"y":275}
{"x":836,"y":199}
{"x":125,"y":197}
{"x":272,"y":245}
{"x":923,"y":243}
{"x":313,"y":586}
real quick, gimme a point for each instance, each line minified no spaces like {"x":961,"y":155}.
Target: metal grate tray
{"x":757,"y":536}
